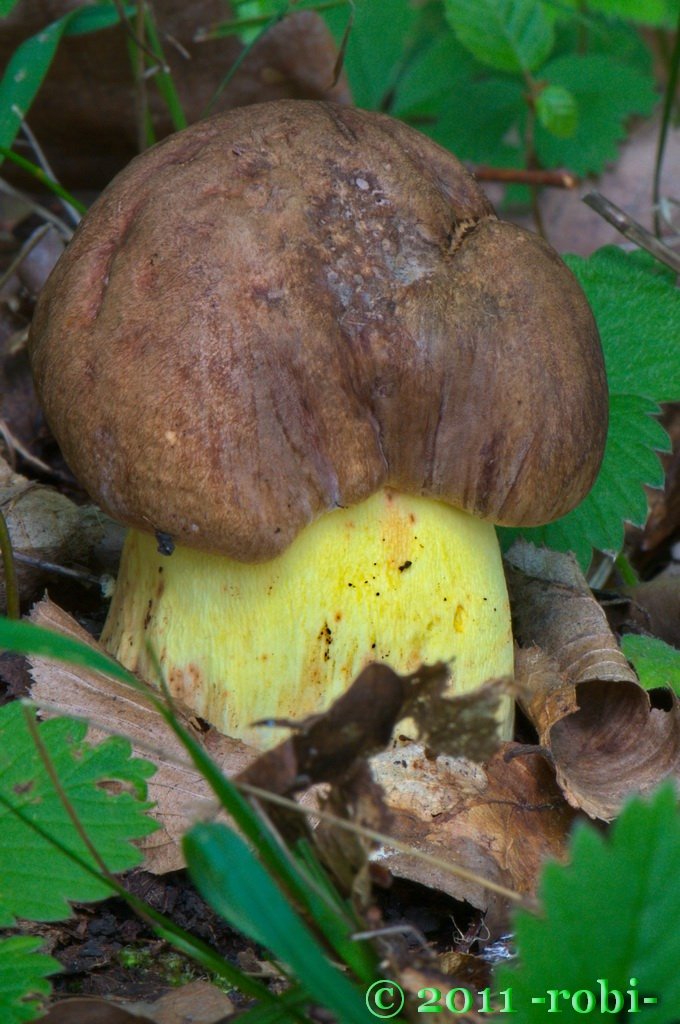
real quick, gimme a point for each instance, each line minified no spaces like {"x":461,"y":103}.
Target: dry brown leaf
{"x":575,"y":685}
{"x":46,"y":527}
{"x":179,"y":792}
{"x":196,"y":1003}
{"x":199,"y":1002}
{"x":655,"y":606}
{"x":91,"y":1011}
{"x":500,"y":820}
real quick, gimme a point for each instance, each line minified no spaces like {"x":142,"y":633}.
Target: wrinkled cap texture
{"x":286,"y":307}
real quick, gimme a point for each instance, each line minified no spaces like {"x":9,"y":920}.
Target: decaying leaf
{"x":499,"y":821}
{"x":180,"y":793}
{"x":577,"y":688}
{"x":45,"y":527}
{"x":198,"y":1002}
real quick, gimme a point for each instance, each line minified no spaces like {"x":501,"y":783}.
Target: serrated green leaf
{"x":557,"y":111}
{"x":376,"y":46}
{"x":23,"y":973}
{"x":508,"y":35}
{"x":37,"y":880}
{"x":607,"y":92}
{"x":30,"y":63}
{"x":637,"y":309}
{"x":656,"y":663}
{"x":236,"y":885}
{"x":612,"y":913}
{"x":630,"y":461}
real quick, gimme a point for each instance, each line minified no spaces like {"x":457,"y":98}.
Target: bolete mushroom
{"x":295,"y":344}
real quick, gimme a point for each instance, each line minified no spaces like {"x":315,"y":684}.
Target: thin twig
{"x":26,"y":248}
{"x":14,"y":445}
{"x":61,"y":570}
{"x":632,"y":230}
{"x":526,"y":176}
{"x":669,"y":99}
{"x":44,"y":163}
{"x":42,"y":211}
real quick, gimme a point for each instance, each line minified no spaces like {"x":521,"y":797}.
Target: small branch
{"x":526,"y":176}
{"x":630,"y":229}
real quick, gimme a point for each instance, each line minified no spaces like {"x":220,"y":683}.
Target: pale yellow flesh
{"x":398,"y":579}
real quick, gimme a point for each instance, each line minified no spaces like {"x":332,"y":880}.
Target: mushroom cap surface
{"x":287,"y":307}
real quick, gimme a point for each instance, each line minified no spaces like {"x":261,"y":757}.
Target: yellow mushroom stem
{"x":399,"y":579}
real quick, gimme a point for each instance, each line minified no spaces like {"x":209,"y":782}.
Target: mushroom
{"x":295,"y":351}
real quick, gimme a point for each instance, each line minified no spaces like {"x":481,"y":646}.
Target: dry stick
{"x":526,"y":176}
{"x":630,"y":228}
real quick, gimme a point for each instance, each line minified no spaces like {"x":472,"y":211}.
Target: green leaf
{"x":557,"y":111}
{"x":6,"y":7}
{"x":228,"y":875}
{"x":607,"y":93}
{"x":656,"y":663}
{"x":22,"y":979}
{"x":36,"y":880}
{"x":376,"y":46}
{"x":645,"y":12}
{"x":611,"y":914}
{"x":508,"y":35}
{"x":30,"y":63}
{"x":476,"y":120}
{"x":637,"y":309}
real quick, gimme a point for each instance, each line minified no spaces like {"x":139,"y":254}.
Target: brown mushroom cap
{"x":286,"y":307}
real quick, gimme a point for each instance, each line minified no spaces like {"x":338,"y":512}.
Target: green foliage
{"x":379,"y":38}
{"x":605,"y":92}
{"x":656,"y":663}
{"x":37,"y":881}
{"x":507,"y":82}
{"x":646,"y":12}
{"x":612,"y":913}
{"x":557,"y":111}
{"x":637,"y":308}
{"x":508,"y":35}
{"x":236,"y":885}
{"x":23,"y":974}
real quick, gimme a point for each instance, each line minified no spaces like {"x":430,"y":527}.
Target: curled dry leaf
{"x":180,"y":794}
{"x":577,"y":688}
